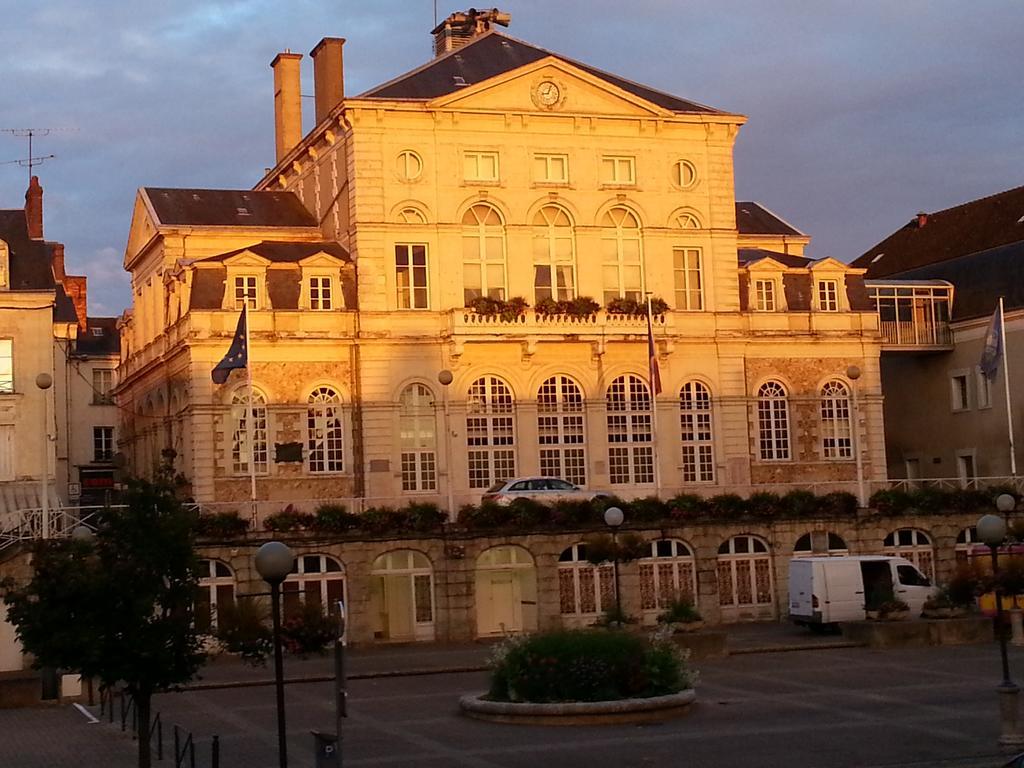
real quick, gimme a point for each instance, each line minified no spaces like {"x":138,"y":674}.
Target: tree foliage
{"x":120,"y":607}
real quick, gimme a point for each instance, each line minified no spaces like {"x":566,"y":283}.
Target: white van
{"x":826,"y":590}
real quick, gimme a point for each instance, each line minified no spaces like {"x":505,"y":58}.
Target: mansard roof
{"x":754,"y":219}
{"x":748,"y":256}
{"x":971,"y":228}
{"x":100,"y":338}
{"x":227,"y":208}
{"x":287,"y":253}
{"x":30,"y":261}
{"x":493,"y":54}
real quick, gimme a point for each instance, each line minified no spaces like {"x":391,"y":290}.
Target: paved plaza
{"x":838,"y":707}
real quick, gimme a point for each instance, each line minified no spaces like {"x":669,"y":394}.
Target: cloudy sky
{"x":860,"y":114}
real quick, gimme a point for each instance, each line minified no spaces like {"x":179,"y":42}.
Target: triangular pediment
{"x":142,"y":229}
{"x":321,"y":259}
{"x":767,"y":264}
{"x":246,"y":258}
{"x":829,"y":264}
{"x":549,"y":85}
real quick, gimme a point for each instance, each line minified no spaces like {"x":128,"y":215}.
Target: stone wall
{"x":454,"y":558}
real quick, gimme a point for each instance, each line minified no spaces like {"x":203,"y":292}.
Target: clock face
{"x":548,"y":93}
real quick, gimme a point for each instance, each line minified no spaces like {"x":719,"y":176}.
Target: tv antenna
{"x":32,"y":160}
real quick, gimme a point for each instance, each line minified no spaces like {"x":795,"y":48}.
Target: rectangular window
{"x":618,"y":169}
{"x":984,"y":389}
{"x":245,"y":291}
{"x":6,"y":366}
{"x":551,"y":169}
{"x":689,"y":289}
{"x":411,"y":276}
{"x":480,"y":166}
{"x":102,"y":384}
{"x":102,"y":443}
{"x":828,"y":295}
{"x":320,"y":293}
{"x":764,"y":295}
{"x":965,"y":469}
{"x":958,"y":386}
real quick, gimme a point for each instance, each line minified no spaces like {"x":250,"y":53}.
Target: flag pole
{"x":654,"y":398}
{"x":1006,"y":383}
{"x":250,"y":417}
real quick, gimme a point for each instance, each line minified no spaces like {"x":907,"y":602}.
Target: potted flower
{"x":680,"y":615}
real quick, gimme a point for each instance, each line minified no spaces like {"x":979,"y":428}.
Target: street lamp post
{"x":445,"y":377}
{"x":613,"y":518}
{"x":44,"y":381}
{"x":274,"y":561}
{"x":853,"y":374}
{"x":992,"y":532}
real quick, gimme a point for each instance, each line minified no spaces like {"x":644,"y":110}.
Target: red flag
{"x":653,"y":371}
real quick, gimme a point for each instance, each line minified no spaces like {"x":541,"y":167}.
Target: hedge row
{"x":932,"y":500}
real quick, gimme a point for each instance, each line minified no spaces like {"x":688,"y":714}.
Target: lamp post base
{"x":1009,"y":733}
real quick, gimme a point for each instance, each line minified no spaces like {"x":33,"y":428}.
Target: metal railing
{"x":27,"y":524}
{"x":958,"y":483}
{"x":184,"y":741}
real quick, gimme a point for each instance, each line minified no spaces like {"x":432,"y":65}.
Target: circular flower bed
{"x":585,"y":676}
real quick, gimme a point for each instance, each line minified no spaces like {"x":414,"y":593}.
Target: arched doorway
{"x":315,"y":580}
{"x":216,"y":592}
{"x":668,"y":573}
{"x":966,"y":540}
{"x":585,"y":591}
{"x":745,"y":589}
{"x":506,"y":591}
{"x":402,"y":596}
{"x":916,"y":546}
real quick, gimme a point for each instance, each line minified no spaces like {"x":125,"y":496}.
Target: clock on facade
{"x":548,"y":93}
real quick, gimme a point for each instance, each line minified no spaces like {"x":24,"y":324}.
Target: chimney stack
{"x":57,"y":260}
{"x":328,"y":75}
{"x":922,"y":219}
{"x":287,"y":102}
{"x":461,"y":27}
{"x":34,"y":209}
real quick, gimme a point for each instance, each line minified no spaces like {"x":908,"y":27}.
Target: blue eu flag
{"x":237,"y":356}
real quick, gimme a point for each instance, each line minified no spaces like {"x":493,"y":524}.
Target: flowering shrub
{"x":242,"y":629}
{"x":220,"y":525}
{"x":288,"y":519}
{"x":334,"y":518}
{"x":586,"y":665}
{"x":309,"y":631}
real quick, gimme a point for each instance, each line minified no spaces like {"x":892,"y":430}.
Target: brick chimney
{"x":34,"y":209}
{"x":287,"y":102}
{"x":461,"y":27}
{"x":328,"y":75}
{"x":922,"y":219}
{"x":57,"y":260}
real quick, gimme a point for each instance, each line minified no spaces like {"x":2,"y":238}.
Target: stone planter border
{"x":623,"y":711}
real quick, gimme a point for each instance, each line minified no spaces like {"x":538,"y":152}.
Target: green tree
{"x":118,"y":608}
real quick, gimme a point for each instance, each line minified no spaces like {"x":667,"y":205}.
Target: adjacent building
{"x":446,"y":285}
{"x":937,"y":282}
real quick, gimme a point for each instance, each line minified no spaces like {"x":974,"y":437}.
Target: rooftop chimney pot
{"x":287,"y":102}
{"x":922,"y":219}
{"x":461,"y":27}
{"x":328,"y":75}
{"x":34,"y":209}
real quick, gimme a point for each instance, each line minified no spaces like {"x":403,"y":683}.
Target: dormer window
{"x":764,"y":296}
{"x":320,"y":293}
{"x":246,"y":291}
{"x":828,"y":295}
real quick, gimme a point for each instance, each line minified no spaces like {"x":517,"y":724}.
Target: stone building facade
{"x":496,"y":171}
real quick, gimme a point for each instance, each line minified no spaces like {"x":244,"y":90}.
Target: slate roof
{"x":750,"y":255}
{"x":106,"y":342}
{"x":754,"y":219}
{"x":30,"y":260}
{"x":973,"y":227}
{"x":287,"y":253}
{"x":493,"y":54}
{"x":228,"y":208}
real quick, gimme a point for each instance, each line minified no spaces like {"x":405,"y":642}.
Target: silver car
{"x":541,"y":489}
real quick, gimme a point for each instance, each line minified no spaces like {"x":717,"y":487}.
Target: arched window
{"x":684,"y":174}
{"x":630,"y":449}
{"x":560,"y":430}
{"x":315,"y":580}
{"x":410,"y":215}
{"x":915,"y":546}
{"x":483,"y":253}
{"x":773,"y":422}
{"x":490,"y":432}
{"x":584,"y":590}
{"x":249,"y":417}
{"x":695,"y":433}
{"x":216,"y":593}
{"x":820,"y":543}
{"x":687,"y":221}
{"x":506,"y":591}
{"x":621,"y":255}
{"x":418,"y":437}
{"x":667,"y":574}
{"x":554,"y":255}
{"x":965,"y":542}
{"x":836,"y":425}
{"x":325,"y":435}
{"x":744,"y":573}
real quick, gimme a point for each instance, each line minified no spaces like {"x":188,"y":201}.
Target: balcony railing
{"x":465,"y":321}
{"x":913,"y":314}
